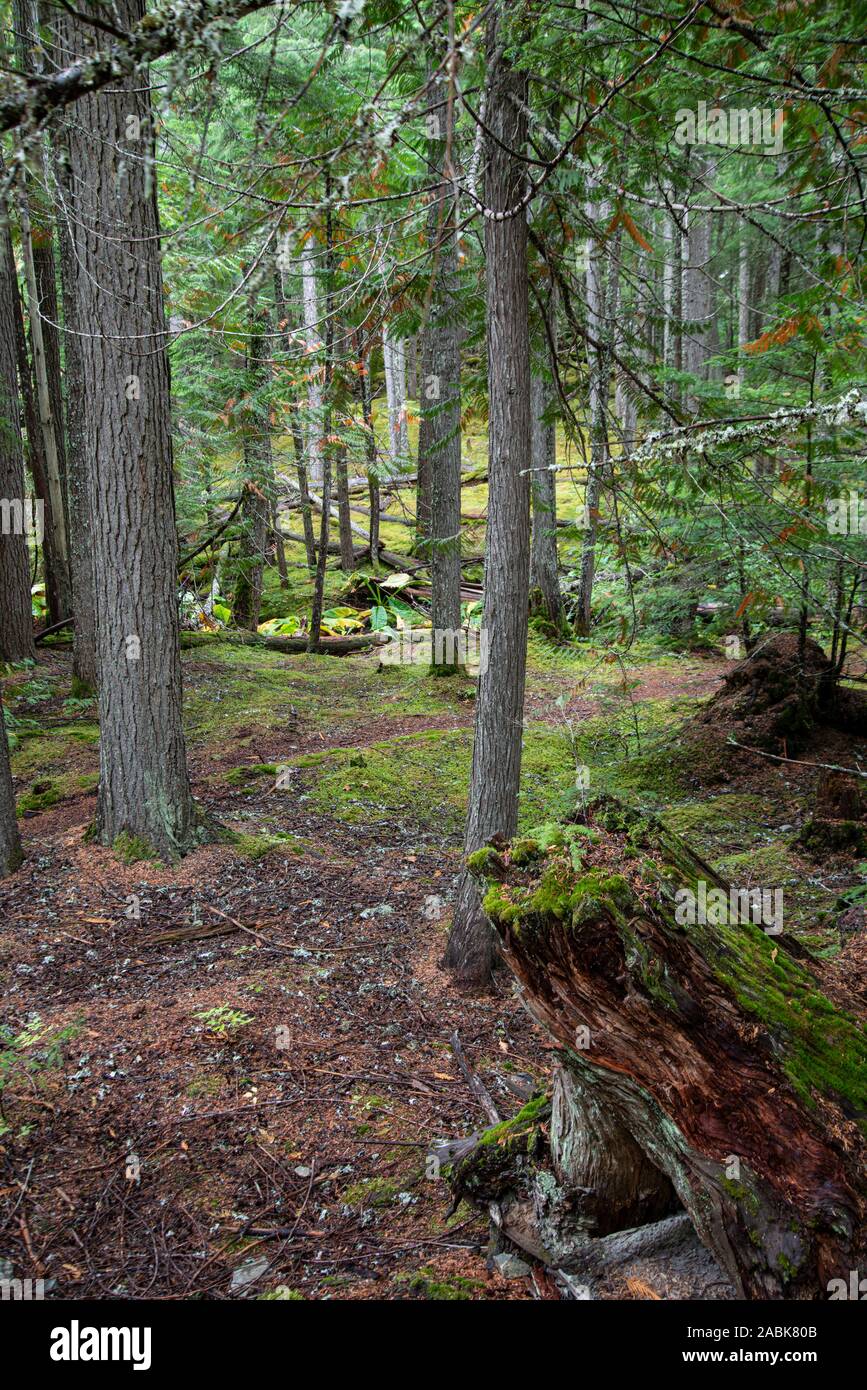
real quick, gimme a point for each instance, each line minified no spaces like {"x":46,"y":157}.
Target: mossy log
{"x":331,"y":646}
{"x":709,"y":1044}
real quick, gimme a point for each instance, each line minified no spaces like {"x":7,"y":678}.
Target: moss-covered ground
{"x":318,"y":912}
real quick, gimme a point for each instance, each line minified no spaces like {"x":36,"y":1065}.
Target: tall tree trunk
{"x":544,"y":576}
{"x":303,"y":488}
{"x":395,"y":393}
{"x":36,"y":459}
{"x":347,"y":553}
{"x":45,"y":263}
{"x":279,"y":546}
{"x":670,"y":243}
{"x":257,"y":507}
{"x":430,"y":384}
{"x":493,"y":805}
{"x":77,"y":479}
{"x":58,"y":579}
{"x":297,"y":431}
{"x":40,"y":274}
{"x":16,"y":622}
{"x":313,"y":336}
{"x":603,"y":278}
{"x":370,"y":452}
{"x":412,"y":367}
{"x":637,"y":341}
{"x":439,"y":451}
{"x":698,"y":296}
{"x":322,"y":557}
{"x":743,"y":298}
{"x":10,"y":841}
{"x":773,"y":278}
{"x":50,"y":424}
{"x":672,"y":285}
{"x":144,"y":789}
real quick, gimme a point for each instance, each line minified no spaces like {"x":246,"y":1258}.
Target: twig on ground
{"x":475,"y":1083}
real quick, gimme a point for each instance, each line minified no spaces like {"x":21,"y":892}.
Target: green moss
{"x":731,"y":820}
{"x":85,"y":733}
{"x":236,"y":691}
{"x":424,"y":778}
{"x":372,"y":1192}
{"x":491,"y":1166}
{"x":742,"y":1194}
{"x":49,"y":794}
{"x":132,"y":849}
{"x":774,"y":864}
{"x":521,"y":1126}
{"x":522,"y":852}
{"x":255,"y":847}
{"x":557,"y":893}
{"x":821,"y":1048}
{"x":425,"y":1282}
{"x":480,"y":860}
{"x":283,"y":1294}
{"x":243,"y":776}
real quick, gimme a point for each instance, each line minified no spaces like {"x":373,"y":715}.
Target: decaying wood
{"x":709,"y":1045}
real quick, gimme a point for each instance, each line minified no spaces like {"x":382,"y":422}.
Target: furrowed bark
{"x":16,"y":622}
{"x":545,"y":596}
{"x":144,"y":789}
{"x":440,"y":422}
{"x":603,"y":284}
{"x":322,"y":558}
{"x":370,"y":456}
{"x":347,"y":553}
{"x":77,"y":480}
{"x":40,"y":274}
{"x":49,"y":423}
{"x":496,"y":770}
{"x":10,"y":841}
{"x":35,"y":455}
{"x":257,"y":507}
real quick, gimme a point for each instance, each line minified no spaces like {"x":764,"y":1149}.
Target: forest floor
{"x":233,"y":1068}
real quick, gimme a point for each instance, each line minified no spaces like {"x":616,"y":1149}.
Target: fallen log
{"x":360,"y":552}
{"x":706,"y":1043}
{"x":471,"y":477}
{"x":332,"y":646}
